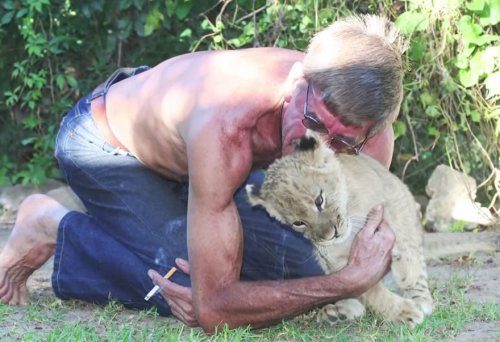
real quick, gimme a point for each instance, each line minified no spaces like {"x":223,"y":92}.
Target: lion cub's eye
{"x":300,"y":224}
{"x":320,"y":201}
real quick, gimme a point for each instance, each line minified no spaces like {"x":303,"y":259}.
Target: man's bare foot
{"x":30,"y":244}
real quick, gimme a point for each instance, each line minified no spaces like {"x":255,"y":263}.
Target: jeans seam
{"x":78,"y":114}
{"x":62,"y":149}
{"x":63,"y":232}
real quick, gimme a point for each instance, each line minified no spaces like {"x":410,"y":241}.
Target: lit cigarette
{"x":155,"y":289}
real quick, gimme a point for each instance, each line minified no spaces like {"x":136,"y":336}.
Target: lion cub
{"x":327,"y":197}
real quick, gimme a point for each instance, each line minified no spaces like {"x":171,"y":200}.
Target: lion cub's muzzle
{"x":329,"y":235}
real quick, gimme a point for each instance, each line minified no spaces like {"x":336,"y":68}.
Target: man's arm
{"x":218,"y":164}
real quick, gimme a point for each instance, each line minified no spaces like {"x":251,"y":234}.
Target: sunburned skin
{"x":158,"y":134}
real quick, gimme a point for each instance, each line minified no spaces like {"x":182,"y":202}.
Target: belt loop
{"x":98,"y":92}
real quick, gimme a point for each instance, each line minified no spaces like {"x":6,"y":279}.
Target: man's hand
{"x":178,"y":297}
{"x":370,"y":256}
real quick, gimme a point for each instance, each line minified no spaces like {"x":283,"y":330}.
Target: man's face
{"x":341,"y":137}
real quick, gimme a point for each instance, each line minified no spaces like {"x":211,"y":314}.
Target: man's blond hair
{"x":357,"y":64}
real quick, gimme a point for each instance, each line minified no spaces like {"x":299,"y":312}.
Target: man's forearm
{"x":261,"y":303}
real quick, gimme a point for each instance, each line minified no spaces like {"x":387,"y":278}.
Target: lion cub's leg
{"x":420,"y":292}
{"x":410,"y":272}
{"x":343,"y":310}
{"x":391,"y":306}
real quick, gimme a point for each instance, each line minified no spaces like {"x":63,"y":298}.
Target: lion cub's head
{"x":307,"y":191}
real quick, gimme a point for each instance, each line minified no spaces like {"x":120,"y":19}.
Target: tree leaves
{"x":412,"y":21}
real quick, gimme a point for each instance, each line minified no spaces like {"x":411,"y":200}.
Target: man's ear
{"x":295,"y":76}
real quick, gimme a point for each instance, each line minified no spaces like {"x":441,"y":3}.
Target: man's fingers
{"x":386,"y":233}
{"x":190,"y":322}
{"x":170,"y":288}
{"x":185,"y":307}
{"x":186,"y":317}
{"x":156,"y":277}
{"x":181,"y":306}
{"x":178,"y":297}
{"x":183,"y":310}
{"x":182,"y":264}
{"x":176,"y":290}
{"x":373,"y":221}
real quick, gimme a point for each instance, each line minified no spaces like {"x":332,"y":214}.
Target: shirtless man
{"x":129,"y":149}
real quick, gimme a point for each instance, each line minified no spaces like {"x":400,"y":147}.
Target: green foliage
{"x":458,"y":226}
{"x":452,"y":91}
{"x":55,"y":51}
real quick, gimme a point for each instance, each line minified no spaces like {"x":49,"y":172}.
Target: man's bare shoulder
{"x":257,"y":55}
{"x":269,"y":62}
{"x":220,"y":92}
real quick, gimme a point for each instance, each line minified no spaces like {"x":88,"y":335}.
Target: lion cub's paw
{"x":407,"y":312}
{"x":343,"y":310}
{"x":426,"y":304}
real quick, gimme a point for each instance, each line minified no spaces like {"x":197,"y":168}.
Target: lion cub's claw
{"x":408,"y":312}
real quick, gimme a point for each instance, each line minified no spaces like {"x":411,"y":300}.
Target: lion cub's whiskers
{"x":357,"y":222}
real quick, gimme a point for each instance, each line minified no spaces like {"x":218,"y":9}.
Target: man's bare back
{"x":155,"y":113}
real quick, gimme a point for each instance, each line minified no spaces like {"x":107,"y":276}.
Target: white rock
{"x":452,"y":196}
{"x":67,"y":198}
{"x":12,"y":196}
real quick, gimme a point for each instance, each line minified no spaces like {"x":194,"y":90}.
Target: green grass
{"x":50,"y":319}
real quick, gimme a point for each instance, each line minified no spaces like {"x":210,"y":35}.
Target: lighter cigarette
{"x":155,"y":289}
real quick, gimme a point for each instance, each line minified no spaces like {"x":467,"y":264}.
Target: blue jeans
{"x":136,"y":220}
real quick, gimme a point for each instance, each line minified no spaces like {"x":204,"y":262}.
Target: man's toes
{"x":9,"y":293}
{"x":6,"y":298}
{"x":23,"y":295}
{"x":4,"y":284}
{"x":14,"y":300}
{"x":4,"y":289}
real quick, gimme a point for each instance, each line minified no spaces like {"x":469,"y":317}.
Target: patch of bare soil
{"x":483,"y":272}
{"x":480,"y":331}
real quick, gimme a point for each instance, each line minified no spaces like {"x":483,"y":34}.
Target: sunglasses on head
{"x":337,"y":142}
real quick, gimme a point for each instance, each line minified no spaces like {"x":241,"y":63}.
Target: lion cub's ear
{"x":253,"y":197}
{"x":313,"y":142}
{"x":309,"y":142}
{"x":256,"y":198}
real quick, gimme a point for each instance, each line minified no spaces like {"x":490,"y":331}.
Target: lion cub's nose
{"x":328,"y":233}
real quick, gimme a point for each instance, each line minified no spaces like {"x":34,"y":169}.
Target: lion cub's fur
{"x":327,"y":197}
